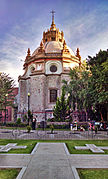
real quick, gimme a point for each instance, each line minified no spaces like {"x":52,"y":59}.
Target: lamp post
{"x":28,"y":106}
{"x":5,"y":108}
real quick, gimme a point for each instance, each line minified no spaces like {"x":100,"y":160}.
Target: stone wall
{"x":22,"y":95}
{"x":37,"y":97}
{"x":39,"y":86}
{"x":52,"y":82}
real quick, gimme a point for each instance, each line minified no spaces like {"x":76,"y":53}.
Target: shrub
{"x":25,"y":117}
{"x":30,"y":116}
{"x":38,"y":126}
{"x":52,"y":128}
{"x":96,"y":129}
{"x":18,"y":122}
{"x":12,"y":124}
{"x":29,"y":129}
{"x":50,"y":120}
{"x":58,"y":126}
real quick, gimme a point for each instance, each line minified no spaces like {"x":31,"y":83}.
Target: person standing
{"x":34,"y":123}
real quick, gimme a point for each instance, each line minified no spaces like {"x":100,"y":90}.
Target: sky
{"x":22,"y":22}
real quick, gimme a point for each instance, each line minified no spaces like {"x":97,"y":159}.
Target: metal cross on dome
{"x":53,"y":12}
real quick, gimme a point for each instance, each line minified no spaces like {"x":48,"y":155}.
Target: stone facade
{"x":45,"y":69}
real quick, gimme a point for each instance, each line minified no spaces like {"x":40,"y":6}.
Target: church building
{"x":44,"y":70}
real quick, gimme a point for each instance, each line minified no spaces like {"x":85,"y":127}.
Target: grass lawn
{"x":69,"y":143}
{"x":29,"y":143}
{"x":9,"y":173}
{"x":93,"y":173}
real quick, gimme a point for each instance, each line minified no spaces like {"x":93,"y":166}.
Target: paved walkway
{"x":52,"y":161}
{"x":58,"y":135}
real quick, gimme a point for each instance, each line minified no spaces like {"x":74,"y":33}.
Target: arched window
{"x":53,"y":95}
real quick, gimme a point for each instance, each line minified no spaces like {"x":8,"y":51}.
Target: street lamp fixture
{"x":28,"y":94}
{"x":68,"y":94}
{"x":6,"y":95}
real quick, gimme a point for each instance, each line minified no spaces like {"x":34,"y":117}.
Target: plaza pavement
{"x":58,"y":135}
{"x":51,"y":161}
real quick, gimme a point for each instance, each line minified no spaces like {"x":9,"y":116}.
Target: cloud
{"x":88,"y":33}
{"x":93,"y":45}
{"x":12,"y":69}
{"x":14,"y":47}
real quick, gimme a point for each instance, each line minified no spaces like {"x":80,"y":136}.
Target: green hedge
{"x":12,"y":124}
{"x":56,"y":126}
{"x":55,"y":120}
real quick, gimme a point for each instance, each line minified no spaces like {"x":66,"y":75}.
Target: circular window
{"x":53,"y":68}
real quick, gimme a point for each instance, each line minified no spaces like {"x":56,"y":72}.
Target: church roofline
{"x":32,"y":59}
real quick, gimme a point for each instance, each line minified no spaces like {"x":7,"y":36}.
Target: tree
{"x":99,"y":69}
{"x":60,"y":108}
{"x":99,"y":80}
{"x":88,"y":86}
{"x":57,"y":110}
{"x":6,"y":91}
{"x":78,"y":87}
{"x":30,"y":117}
{"x":63,"y":103}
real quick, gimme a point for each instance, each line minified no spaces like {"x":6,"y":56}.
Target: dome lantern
{"x":53,"y":34}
